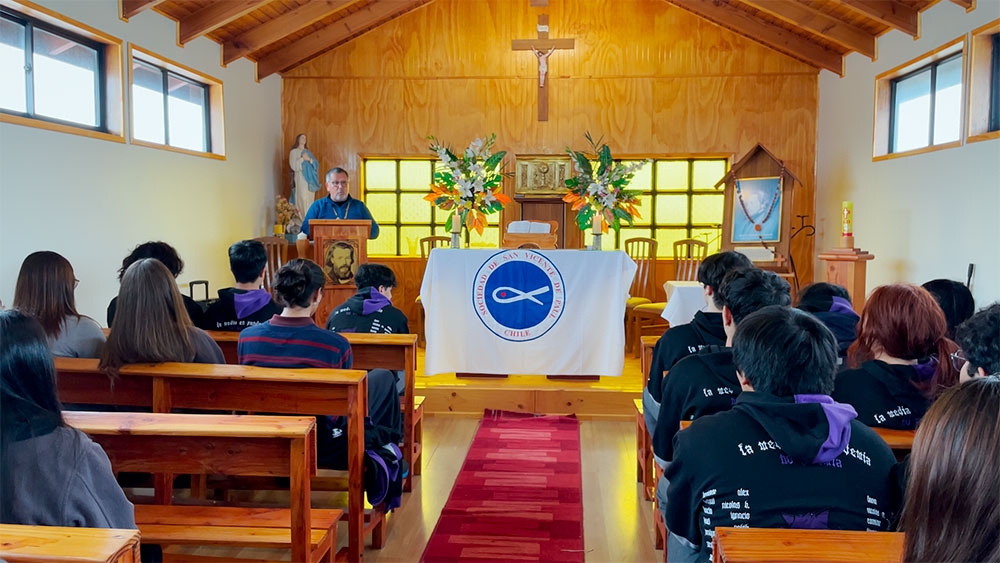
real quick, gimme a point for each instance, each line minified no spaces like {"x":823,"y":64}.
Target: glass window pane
{"x":415,"y":175}
{"x":706,"y":173}
{"x":186,"y":114}
{"x":643,"y":178}
{"x":414,"y":209}
{"x":633,"y":232}
{"x":671,"y":175}
{"x":65,"y":74}
{"x":711,"y":236}
{"x":706,"y":208}
{"x":385,"y":244}
{"x":912,"y":112}
{"x":13,"y":87}
{"x":383,"y":207}
{"x":380,"y":174}
{"x":489,"y":239}
{"x":607,"y":241}
{"x":671,"y":209}
{"x":665,"y":239}
{"x":147,"y":103}
{"x":409,"y":239}
{"x":948,"y":101}
{"x":645,"y":209}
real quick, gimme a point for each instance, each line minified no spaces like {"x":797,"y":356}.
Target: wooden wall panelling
{"x":651,"y":78}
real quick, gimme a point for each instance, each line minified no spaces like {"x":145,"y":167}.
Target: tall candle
{"x":847,"y":219}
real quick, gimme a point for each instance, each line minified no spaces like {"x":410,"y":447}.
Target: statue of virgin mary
{"x":305,"y":168}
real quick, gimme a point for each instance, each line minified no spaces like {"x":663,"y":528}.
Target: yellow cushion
{"x":651,"y":307}
{"x":633,"y":301}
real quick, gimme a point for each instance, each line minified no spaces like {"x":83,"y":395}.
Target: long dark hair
{"x":154,"y":249}
{"x":951,"y":511}
{"x":29,"y":405}
{"x":297,"y":283}
{"x":905,"y":322}
{"x":151,"y":324}
{"x":44,"y":290}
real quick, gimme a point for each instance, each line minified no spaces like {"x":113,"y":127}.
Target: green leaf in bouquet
{"x":494,"y":160}
{"x":604,"y":156}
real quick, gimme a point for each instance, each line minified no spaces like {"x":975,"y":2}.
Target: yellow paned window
{"x":666,"y":238}
{"x":671,"y":209}
{"x":413,"y":208}
{"x":705,"y":173}
{"x":382,"y":206}
{"x":415,"y":175}
{"x":672,"y":175}
{"x":380,"y":175}
{"x":385,"y":244}
{"x":706,"y":208}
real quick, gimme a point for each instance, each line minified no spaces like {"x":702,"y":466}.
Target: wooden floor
{"x":617,"y":523}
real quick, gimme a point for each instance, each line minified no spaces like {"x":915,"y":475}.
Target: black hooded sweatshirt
{"x":778,"y":462}
{"x":368,"y":311}
{"x":838,"y":316}
{"x":884,"y":395}
{"x":237,"y":309}
{"x":700,"y":384}
{"x":680,"y":341}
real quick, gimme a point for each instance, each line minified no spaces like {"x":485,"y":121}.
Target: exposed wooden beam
{"x":780,"y":39}
{"x":282,"y":26}
{"x":216,"y":15}
{"x":969,"y":5}
{"x":334,"y":34}
{"x":130,"y":8}
{"x":889,"y":12}
{"x":824,"y":25}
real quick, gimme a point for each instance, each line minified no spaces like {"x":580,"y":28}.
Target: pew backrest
{"x":54,"y":544}
{"x":740,"y":545}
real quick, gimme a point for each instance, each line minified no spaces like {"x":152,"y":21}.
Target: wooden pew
{"x":743,"y":545}
{"x":394,"y":352}
{"x":54,"y":544}
{"x":643,"y":440}
{"x":230,"y":387}
{"x":227,"y":445}
{"x":901,"y":441}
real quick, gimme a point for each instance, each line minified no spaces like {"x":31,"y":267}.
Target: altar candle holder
{"x":847,"y":225}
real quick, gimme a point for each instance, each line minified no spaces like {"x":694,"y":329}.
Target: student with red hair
{"x":901,"y":358}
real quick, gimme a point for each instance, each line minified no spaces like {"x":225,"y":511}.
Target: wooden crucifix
{"x":542,"y":47}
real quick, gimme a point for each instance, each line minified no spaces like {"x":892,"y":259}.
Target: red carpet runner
{"x":518,"y":496}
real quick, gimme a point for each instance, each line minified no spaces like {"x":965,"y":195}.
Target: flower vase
{"x":596,"y":245}
{"x":456,"y":231}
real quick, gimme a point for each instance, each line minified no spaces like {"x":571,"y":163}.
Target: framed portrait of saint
{"x":756,"y":210}
{"x":340,"y":260}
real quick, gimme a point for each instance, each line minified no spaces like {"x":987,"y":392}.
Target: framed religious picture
{"x":756,"y":210}
{"x":541,"y":176}
{"x":340,"y":260}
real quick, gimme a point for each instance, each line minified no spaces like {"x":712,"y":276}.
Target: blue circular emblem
{"x":518,"y":294}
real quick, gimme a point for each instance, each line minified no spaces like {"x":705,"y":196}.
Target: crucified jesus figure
{"x":543,"y":64}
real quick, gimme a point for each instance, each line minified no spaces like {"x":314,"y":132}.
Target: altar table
{"x":521,"y":311}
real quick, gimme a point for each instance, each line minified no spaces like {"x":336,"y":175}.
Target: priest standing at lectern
{"x":339,"y":204}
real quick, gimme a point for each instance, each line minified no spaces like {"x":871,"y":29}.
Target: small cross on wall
{"x":542,"y":47}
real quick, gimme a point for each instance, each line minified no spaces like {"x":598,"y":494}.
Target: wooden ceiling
{"x":279,"y":35}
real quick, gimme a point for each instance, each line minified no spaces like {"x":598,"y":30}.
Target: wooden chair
{"x":543,"y":240}
{"x":688,"y":255}
{"x":739,"y":545}
{"x":225,"y":445}
{"x":277,"y":253}
{"x":167,"y":386}
{"x":426,"y":245}
{"x":642,"y":251}
{"x":643,"y":441}
{"x":21,"y":544}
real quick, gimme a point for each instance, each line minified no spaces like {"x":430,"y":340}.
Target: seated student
{"x":979,"y":338}
{"x":786,"y":455}
{"x":955,"y":300}
{"x":900,"y":359}
{"x":831,"y":304}
{"x":704,"y":330}
{"x":53,"y":475}
{"x":370,"y":309}
{"x":168,"y":256}
{"x":151,"y":324}
{"x":44,"y":290}
{"x":292,"y":340}
{"x":950,"y":513}
{"x":706,"y":383}
{"x":246,"y":304}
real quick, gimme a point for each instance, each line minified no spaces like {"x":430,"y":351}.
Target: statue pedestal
{"x":847,"y":267}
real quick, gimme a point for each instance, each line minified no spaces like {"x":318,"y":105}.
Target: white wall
{"x":924,"y":216}
{"x":93,"y":200}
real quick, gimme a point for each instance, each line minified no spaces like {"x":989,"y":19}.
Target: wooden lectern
{"x":847,"y":267}
{"x":339,"y":247}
